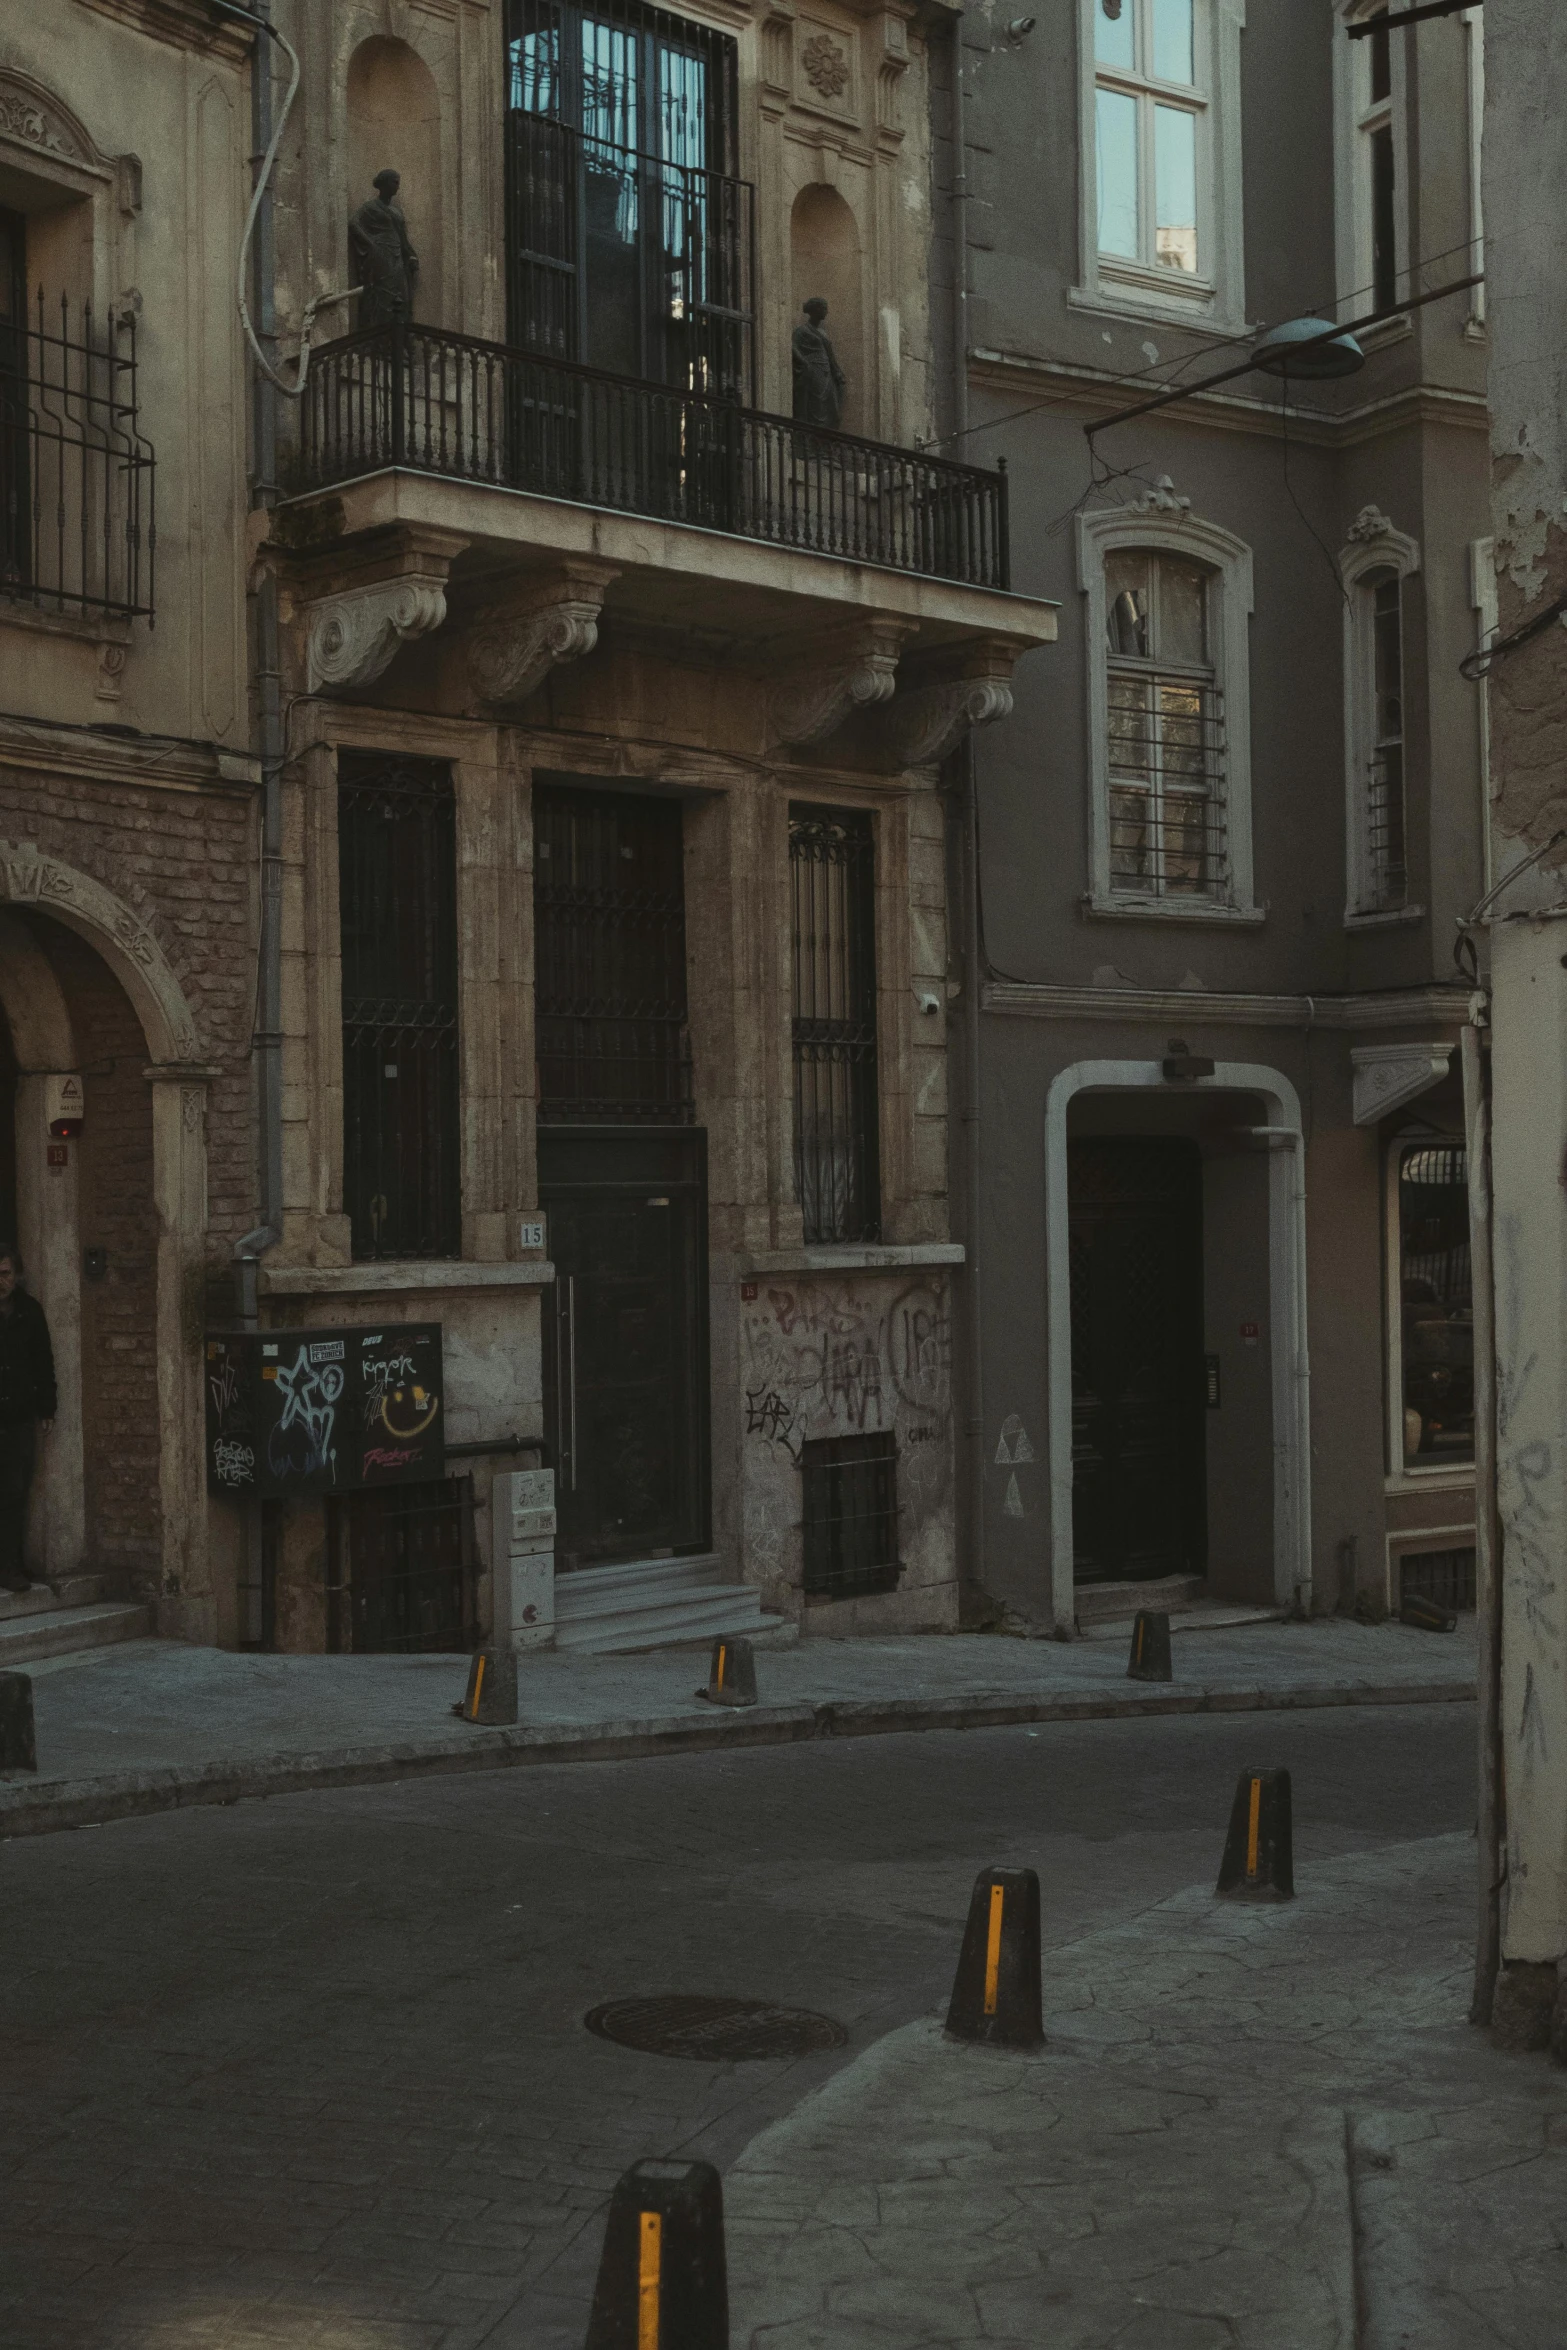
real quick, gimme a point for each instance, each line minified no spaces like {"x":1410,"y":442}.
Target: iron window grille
{"x":1168,"y":832}
{"x":609,"y":945}
{"x":397,"y":868}
{"x":837,"y":1171}
{"x":76,"y":476}
{"x":1447,"y":1576}
{"x":1436,"y":1362}
{"x":403,"y":1570}
{"x":631,"y":243}
{"x":1386,"y":875}
{"x":850,"y":1516}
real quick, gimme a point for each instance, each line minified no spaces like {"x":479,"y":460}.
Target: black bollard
{"x":1258,"y":1863}
{"x":18,"y":1745}
{"x":1150,"y":1657}
{"x":995,"y":1993}
{"x":731,"y":1677}
{"x":491,"y":1697}
{"x":662,"y":2282}
{"x":1427,"y":1615}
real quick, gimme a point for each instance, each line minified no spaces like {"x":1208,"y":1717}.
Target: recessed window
{"x":1434,"y":1388}
{"x":1148,"y":115}
{"x":1165,"y":728}
{"x":397,"y":880}
{"x":1368,"y":148}
{"x":850,"y":1516}
{"x":1374,"y":566}
{"x":836,"y":1098}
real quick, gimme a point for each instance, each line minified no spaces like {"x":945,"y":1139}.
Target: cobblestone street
{"x":312,"y":2071}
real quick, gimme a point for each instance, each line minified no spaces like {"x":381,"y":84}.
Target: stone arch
{"x":393,"y":111}
{"x":127,"y":942}
{"x":825,"y":258}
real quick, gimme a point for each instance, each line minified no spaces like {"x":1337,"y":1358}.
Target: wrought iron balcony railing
{"x":449,"y":404}
{"x":76,"y":476}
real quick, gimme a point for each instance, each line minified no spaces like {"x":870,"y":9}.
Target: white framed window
{"x":1374,"y":566}
{"x":1372,"y":161}
{"x":1167,"y":604}
{"x":1429,"y":1308}
{"x":1160,"y":178}
{"x":1473,"y":22}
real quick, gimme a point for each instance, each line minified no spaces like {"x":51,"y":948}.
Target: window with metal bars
{"x":1447,"y":1576}
{"x":1435,"y":1356}
{"x":850,"y":1516}
{"x":1384,"y":857}
{"x":1165,"y":729}
{"x":630,"y":239}
{"x":837,"y":1168}
{"x":609,"y":948}
{"x":397,"y":889}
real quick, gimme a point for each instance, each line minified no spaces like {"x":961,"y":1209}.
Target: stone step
{"x":591,"y":1590}
{"x":83,"y":1589}
{"x":36,"y":1602}
{"x":62,"y":1631}
{"x":639,"y":1604}
{"x":1110,"y":1602}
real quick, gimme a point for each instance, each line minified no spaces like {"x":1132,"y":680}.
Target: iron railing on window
{"x":76,"y":476}
{"x":398,"y":893}
{"x":836,"y":1099}
{"x":609,"y":956}
{"x":1387,"y":869}
{"x":850,"y":1516}
{"x":453,"y":405}
{"x":1168,"y":834}
{"x":1447,"y":1576}
{"x":404,"y":1564}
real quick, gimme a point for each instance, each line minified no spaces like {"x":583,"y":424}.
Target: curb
{"x":38,"y":1810}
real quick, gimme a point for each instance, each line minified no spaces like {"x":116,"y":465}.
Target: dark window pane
{"x":397,"y":884}
{"x":1384,"y":253}
{"x":836,"y":1102}
{"x":850,"y":1515}
{"x":609,"y":945}
{"x":1438,"y":1327}
{"x":1380,"y":46}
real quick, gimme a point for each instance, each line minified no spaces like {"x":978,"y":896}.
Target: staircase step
{"x":36,"y":1602}
{"x":1109,"y":1602}
{"x":590,"y":1590}
{"x":84,"y":1589}
{"x":691,"y":1627}
{"x":64,"y":1631}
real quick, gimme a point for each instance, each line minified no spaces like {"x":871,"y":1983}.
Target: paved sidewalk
{"x":156,"y":1724}
{"x":1252,"y":2128}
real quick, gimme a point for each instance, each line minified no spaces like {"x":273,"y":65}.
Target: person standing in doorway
{"x":27,"y":1401}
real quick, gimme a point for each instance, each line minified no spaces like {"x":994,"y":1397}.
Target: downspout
{"x":1490,"y":1821}
{"x":267,"y":1041}
{"x":973,"y":974}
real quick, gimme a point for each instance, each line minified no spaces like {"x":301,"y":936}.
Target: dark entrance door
{"x":625,"y":1346}
{"x":1139,"y":1480}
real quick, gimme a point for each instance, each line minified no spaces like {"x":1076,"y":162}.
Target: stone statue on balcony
{"x":819,"y":382}
{"x":381,"y":261}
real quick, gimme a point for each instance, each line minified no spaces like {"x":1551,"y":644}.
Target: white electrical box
{"x":64,"y":1106}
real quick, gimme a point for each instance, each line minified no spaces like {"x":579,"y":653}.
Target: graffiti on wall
{"x":826,"y":1358}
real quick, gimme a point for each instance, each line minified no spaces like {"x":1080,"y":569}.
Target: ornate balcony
{"x":416,"y":399}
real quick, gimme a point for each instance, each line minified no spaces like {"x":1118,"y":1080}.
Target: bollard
{"x":1427,"y":1615}
{"x":491,"y":1697}
{"x":996,"y":1993}
{"x":18,"y":1746}
{"x":662,"y":2283}
{"x":1258,"y":1863}
{"x":1150,"y":1657}
{"x":731,"y":1677}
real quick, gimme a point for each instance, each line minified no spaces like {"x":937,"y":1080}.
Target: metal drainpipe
{"x":1491,"y":1823}
{"x":267,"y":1041}
{"x":973,"y":976}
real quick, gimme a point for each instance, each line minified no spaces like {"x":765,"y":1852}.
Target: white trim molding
{"x":1164,"y":523}
{"x":1372,"y":544}
{"x":1286,"y":1315}
{"x":1214,"y":296}
{"x":1386,"y":1076}
{"x":1351,"y":161}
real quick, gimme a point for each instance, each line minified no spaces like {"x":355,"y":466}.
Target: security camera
{"x":1020,"y":27}
{"x":927,"y":999}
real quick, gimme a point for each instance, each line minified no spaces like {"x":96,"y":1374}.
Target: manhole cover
{"x":717,"y":2031}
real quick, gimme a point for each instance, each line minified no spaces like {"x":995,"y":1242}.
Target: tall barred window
{"x":1165,"y":729}
{"x":836,"y":1105}
{"x":397,"y":885}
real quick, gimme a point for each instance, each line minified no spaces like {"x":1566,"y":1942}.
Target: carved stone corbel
{"x":352,"y":635}
{"x":512,"y":649}
{"x":928,"y":720}
{"x":1388,"y":1075}
{"x":809,"y":703}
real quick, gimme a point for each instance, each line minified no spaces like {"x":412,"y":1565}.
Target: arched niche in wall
{"x":824,"y":257}
{"x":394,"y":124}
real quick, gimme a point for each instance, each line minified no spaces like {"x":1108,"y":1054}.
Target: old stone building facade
{"x":476,"y":831}
{"x":1216,"y":1199}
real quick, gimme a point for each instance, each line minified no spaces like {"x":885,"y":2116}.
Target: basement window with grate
{"x":850,"y":1516}
{"x":837,"y":1164}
